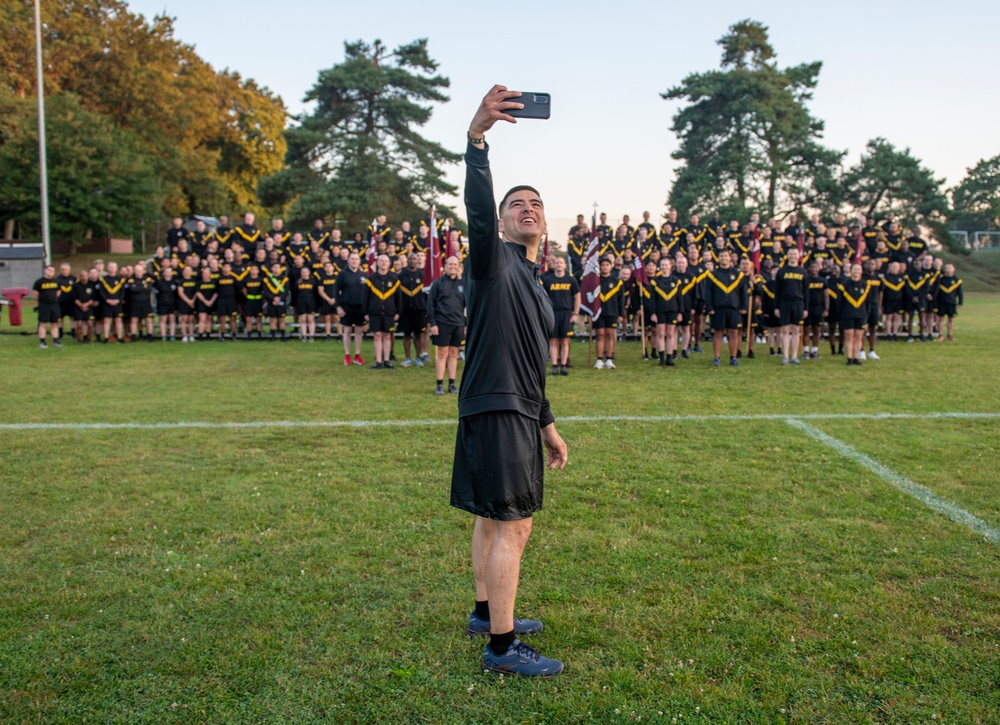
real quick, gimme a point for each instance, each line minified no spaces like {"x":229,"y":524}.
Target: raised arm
{"x":480,"y":202}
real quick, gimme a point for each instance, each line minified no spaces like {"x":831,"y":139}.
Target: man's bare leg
{"x":482,"y":540}
{"x":503,"y":568}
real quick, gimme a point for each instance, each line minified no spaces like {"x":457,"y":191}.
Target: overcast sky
{"x":919,"y":74}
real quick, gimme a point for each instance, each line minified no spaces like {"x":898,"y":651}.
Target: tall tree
{"x":747,"y":139}
{"x":886,"y":179}
{"x":976,"y":199}
{"x":100,"y":179}
{"x":358,"y":151}
{"x":209,"y":136}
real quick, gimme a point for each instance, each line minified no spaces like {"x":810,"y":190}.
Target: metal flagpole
{"x":42,"y":164}
{"x":642,"y":320}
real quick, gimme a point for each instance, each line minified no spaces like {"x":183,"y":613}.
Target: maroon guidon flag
{"x":590,"y":283}
{"x":432,"y":267}
{"x":371,"y":256}
{"x":755,"y":249}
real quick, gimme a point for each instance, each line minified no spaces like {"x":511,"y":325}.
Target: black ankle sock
{"x":483,"y":609}
{"x":451,"y":381}
{"x":440,"y":382}
{"x":500,"y":643}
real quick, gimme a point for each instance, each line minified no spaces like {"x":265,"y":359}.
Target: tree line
{"x":139,"y":126}
{"x":748,"y":143}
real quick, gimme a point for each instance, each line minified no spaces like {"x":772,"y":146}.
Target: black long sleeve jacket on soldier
{"x":446,"y":302}
{"x":411,"y":283}
{"x":509,"y":313}
{"x":382,"y":295}
{"x":725,"y":290}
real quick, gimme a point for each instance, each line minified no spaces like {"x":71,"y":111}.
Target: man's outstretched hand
{"x":492,"y":110}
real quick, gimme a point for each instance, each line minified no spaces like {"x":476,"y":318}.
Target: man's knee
{"x":514,"y":532}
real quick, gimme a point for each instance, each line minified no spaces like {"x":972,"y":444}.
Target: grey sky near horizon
{"x":605,"y":65}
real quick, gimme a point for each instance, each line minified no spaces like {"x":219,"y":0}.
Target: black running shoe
{"x":520,"y":659}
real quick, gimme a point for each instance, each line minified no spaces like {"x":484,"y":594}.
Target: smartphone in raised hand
{"x":536,"y":105}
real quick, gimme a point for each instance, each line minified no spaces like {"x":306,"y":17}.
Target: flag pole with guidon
{"x":590,"y":284}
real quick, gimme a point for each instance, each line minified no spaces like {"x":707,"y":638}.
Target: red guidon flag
{"x":432,"y":267}
{"x":590,"y":284}
{"x":755,"y":249}
{"x":861,"y":245}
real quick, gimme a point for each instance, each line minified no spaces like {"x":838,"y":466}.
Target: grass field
{"x":707,"y":556}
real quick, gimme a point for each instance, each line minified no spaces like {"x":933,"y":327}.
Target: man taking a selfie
{"x":505,"y":424}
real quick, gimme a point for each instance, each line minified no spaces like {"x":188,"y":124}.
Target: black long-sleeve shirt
{"x":350,"y":287}
{"x":509,"y":313}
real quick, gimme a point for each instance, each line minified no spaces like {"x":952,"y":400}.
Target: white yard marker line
{"x":196,"y":424}
{"x":921,"y":493}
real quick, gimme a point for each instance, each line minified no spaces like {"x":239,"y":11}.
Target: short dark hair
{"x":514,"y":190}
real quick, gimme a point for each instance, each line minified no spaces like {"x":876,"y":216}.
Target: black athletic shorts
{"x":224,"y":307}
{"x":449,"y":336}
{"x":666,"y":318}
{"x":183,"y":308}
{"x":854,"y":322}
{"x":562,"y":328}
{"x":686,"y":317}
{"x":48,"y":313}
{"x":726,"y":319}
{"x":141,"y":309}
{"x":354,"y":317}
{"x":791,"y":312}
{"x":381,"y":323}
{"x":815,"y":316}
{"x":305,"y":307}
{"x":327,"y":308}
{"x":82,"y":315}
{"x":163,"y":309}
{"x":893,"y":306}
{"x":499,"y":466}
{"x":947,"y":309}
{"x":412,"y":322}
{"x":66,"y":306}
{"x":274,"y":311}
{"x":606,"y":322}
{"x":203,"y":308}
{"x":253,"y":308}
{"x":874,"y":315}
{"x":919,"y":303}
{"x":111,"y":312}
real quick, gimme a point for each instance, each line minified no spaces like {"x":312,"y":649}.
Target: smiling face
{"x":522,"y":217}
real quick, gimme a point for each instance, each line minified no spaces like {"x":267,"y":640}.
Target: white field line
{"x":921,"y":493}
{"x":15,"y":427}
